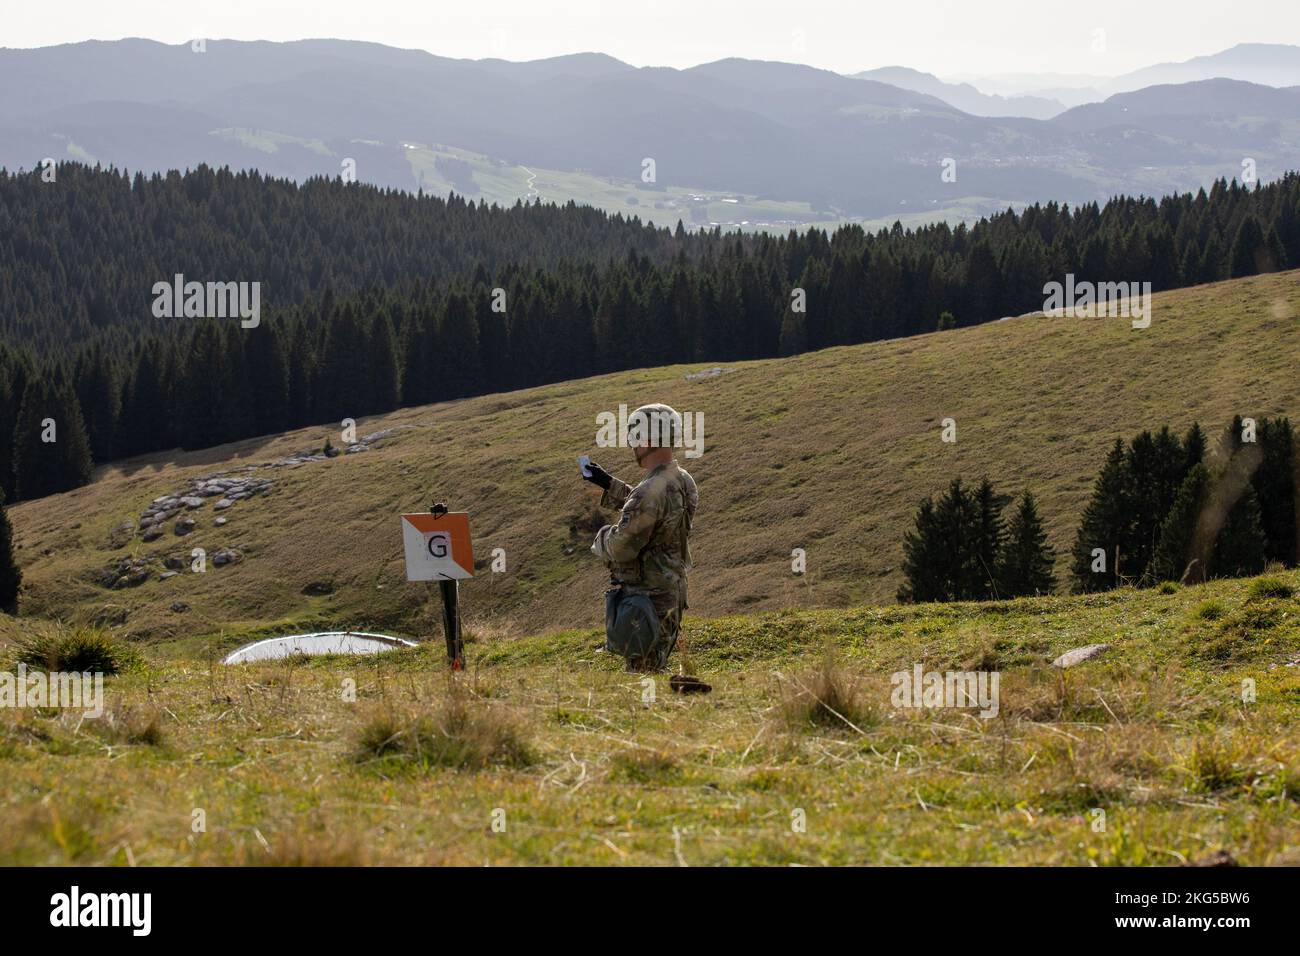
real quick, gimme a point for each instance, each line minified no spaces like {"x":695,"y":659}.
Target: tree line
{"x":962,"y":549}
{"x":1162,"y":509}
{"x":375,"y":298}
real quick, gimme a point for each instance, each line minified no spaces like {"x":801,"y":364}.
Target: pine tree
{"x":952,"y":554}
{"x":1178,"y":546}
{"x":10,"y":575}
{"x":382,"y":362}
{"x":99,"y":396}
{"x":202,"y":383}
{"x":794,"y":333}
{"x":1154,"y":482}
{"x":343,"y":385}
{"x":13,"y":381}
{"x":1193,"y":448}
{"x":457,"y":360}
{"x":926,"y":559}
{"x":146,"y":421}
{"x":1026,"y":560}
{"x":1240,"y":547}
{"x":1105,"y":524}
{"x":1248,"y":255}
{"x":268,"y":375}
{"x":989,"y":534}
{"x":1274,"y":482}
{"x":51,"y":450}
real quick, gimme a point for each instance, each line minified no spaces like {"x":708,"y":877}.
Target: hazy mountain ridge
{"x":851,"y":146}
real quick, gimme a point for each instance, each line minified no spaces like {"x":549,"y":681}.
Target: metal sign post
{"x":451,"y":623}
{"x":438,"y":548}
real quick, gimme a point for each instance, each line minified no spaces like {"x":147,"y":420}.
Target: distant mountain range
{"x":872,"y":145}
{"x":1268,"y":64}
{"x":965,"y":96}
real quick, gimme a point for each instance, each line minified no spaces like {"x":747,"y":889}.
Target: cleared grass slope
{"x":828,"y":451}
{"x":544,"y":752}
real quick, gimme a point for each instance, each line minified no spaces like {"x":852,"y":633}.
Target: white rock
{"x":1080,"y":654}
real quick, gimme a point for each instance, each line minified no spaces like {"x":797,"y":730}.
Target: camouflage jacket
{"x":648,"y":549}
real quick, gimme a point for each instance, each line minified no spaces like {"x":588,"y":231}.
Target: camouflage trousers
{"x":642,"y":626}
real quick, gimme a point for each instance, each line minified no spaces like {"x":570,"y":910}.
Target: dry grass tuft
{"x":826,"y":697}
{"x":60,"y":648}
{"x":463,"y":732}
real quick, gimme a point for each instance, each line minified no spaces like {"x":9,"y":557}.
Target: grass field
{"x":505,"y":183}
{"x":545,"y":752}
{"x":829,"y":452}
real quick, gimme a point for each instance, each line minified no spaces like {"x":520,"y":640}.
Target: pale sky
{"x":938,"y":36}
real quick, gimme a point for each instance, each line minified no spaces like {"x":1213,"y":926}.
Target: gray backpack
{"x":631,"y":626}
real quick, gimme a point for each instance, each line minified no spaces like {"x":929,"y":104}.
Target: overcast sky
{"x":938,"y":36}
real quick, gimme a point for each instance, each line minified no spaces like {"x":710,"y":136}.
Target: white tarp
{"x":324,"y":642}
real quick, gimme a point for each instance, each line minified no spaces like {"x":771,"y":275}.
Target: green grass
{"x":544,"y":752}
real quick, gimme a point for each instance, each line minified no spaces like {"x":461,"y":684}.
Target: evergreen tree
{"x":1156,"y":466}
{"x":10,"y":575}
{"x":343,"y":385}
{"x":51,"y":450}
{"x":99,"y":396}
{"x":1177,"y":547}
{"x":1248,"y":255}
{"x":1240,"y":547}
{"x":268,"y":376}
{"x":1274,"y":482}
{"x":953,"y":552}
{"x":302,"y":369}
{"x":1238,"y":544}
{"x":1106,"y":523}
{"x":1026,"y":561}
{"x":1193,"y":448}
{"x":13,"y":382}
{"x":989,"y":534}
{"x":458,"y":360}
{"x":202,"y":388}
{"x":382,"y":363}
{"x":794,"y":333}
{"x":926,"y":559}
{"x":146,"y":421}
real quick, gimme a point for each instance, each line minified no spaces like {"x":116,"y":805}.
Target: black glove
{"x":598,"y":476}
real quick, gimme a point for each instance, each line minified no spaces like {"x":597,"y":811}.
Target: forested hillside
{"x":374,"y":299}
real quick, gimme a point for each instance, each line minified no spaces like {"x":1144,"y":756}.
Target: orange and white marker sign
{"x":438,"y":547}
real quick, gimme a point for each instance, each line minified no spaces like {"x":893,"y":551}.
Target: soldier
{"x":647,"y":551}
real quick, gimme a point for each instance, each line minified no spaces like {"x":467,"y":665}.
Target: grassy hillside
{"x":497,"y":181}
{"x":828,"y":452}
{"x":545,"y":752}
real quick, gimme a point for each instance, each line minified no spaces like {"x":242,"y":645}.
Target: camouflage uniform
{"x":648,"y":552}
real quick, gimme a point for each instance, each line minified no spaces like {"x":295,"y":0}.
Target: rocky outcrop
{"x":226,"y":487}
{"x":124,"y":573}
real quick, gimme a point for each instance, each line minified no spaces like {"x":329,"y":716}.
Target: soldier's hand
{"x":598,"y":476}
